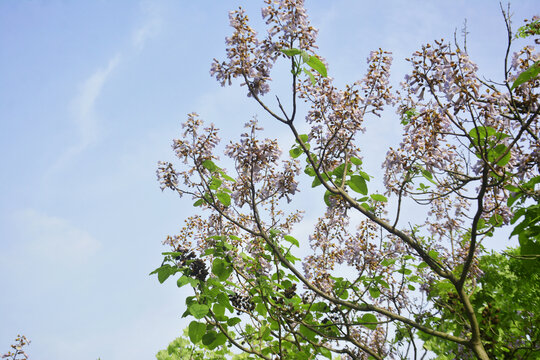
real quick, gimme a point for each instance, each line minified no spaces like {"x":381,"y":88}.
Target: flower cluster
{"x":288,"y":24}
{"x":258,"y":177}
{"x":255,"y":163}
{"x":337,"y":116}
{"x":195,"y":147}
{"x":375,"y":85}
{"x":20,"y":342}
{"x":524,"y":104}
{"x":252,"y":59}
{"x":444,"y":105}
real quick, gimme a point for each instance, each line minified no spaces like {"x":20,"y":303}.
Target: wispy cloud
{"x":150,"y":27}
{"x":83,"y":107}
{"x":54,"y":239}
{"x":84,"y":114}
{"x":84,"y":104}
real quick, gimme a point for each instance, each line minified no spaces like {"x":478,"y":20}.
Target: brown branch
{"x":355,"y":306}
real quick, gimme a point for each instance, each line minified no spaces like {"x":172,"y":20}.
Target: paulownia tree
{"x":373,"y":285}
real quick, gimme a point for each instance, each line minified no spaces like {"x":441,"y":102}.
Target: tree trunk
{"x":479,"y":350}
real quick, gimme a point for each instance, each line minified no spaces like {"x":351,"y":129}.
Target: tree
{"x":373,"y":287}
{"x":182,"y":349}
{"x":508,"y":298}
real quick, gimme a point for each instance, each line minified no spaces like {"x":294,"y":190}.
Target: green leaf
{"x":219,"y":340}
{"x":356,"y":161}
{"x":496,"y":220}
{"x":164,"y":272}
{"x":371,"y":319}
{"x":291,"y":240}
{"x":530,"y":29}
{"x":273,"y":233}
{"x":311,"y":76}
{"x":527,"y":75}
{"x":196,"y":331}
{"x":309,"y":171}
{"x":505,"y":159}
{"x":187,"y":280}
{"x":226,"y":177}
{"x":374,"y":292}
{"x":182,"y":281}
{"x":327,"y":195}
{"x":319,"y":307}
{"x":317,"y":65}
{"x":292,"y":278}
{"x":222,"y":269}
{"x":198,"y":310}
{"x":209,"y":337}
{"x":233,"y":321}
{"x":223,"y":299}
{"x":404,"y":271}
{"x":274,"y":325}
{"x":364,"y":175}
{"x":291,"y":258}
{"x":512,"y":188}
{"x":387,"y":262}
{"x":379,"y":197}
{"x":261,"y":309}
{"x":481,"y":132}
{"x":481,"y":224}
{"x":219,"y":310}
{"x":308,"y":333}
{"x":366,"y":206}
{"x":326,"y":353}
{"x":338,"y":171}
{"x":296,"y":152}
{"x":198,"y":202}
{"x":358,"y":184}
{"x":305,"y":56}
{"x":383,"y":283}
{"x":224,"y":198}
{"x":529,"y":247}
{"x":215,"y":183}
{"x":317,"y":182}
{"x":428,"y":176}
{"x":209,"y":165}
{"x":291,"y":52}
{"x":304,"y":138}
{"x":408,"y":115}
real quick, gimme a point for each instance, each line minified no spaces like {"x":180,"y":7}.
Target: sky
{"x":91,"y":95}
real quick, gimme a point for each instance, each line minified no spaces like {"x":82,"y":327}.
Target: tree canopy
{"x":373,"y":287}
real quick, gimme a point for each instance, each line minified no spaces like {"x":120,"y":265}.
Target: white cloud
{"x":150,"y":28}
{"x":84,"y":114}
{"x":54,"y":239}
{"x":84,"y":104}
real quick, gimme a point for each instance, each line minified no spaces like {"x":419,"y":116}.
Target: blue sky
{"x":91,"y":94}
